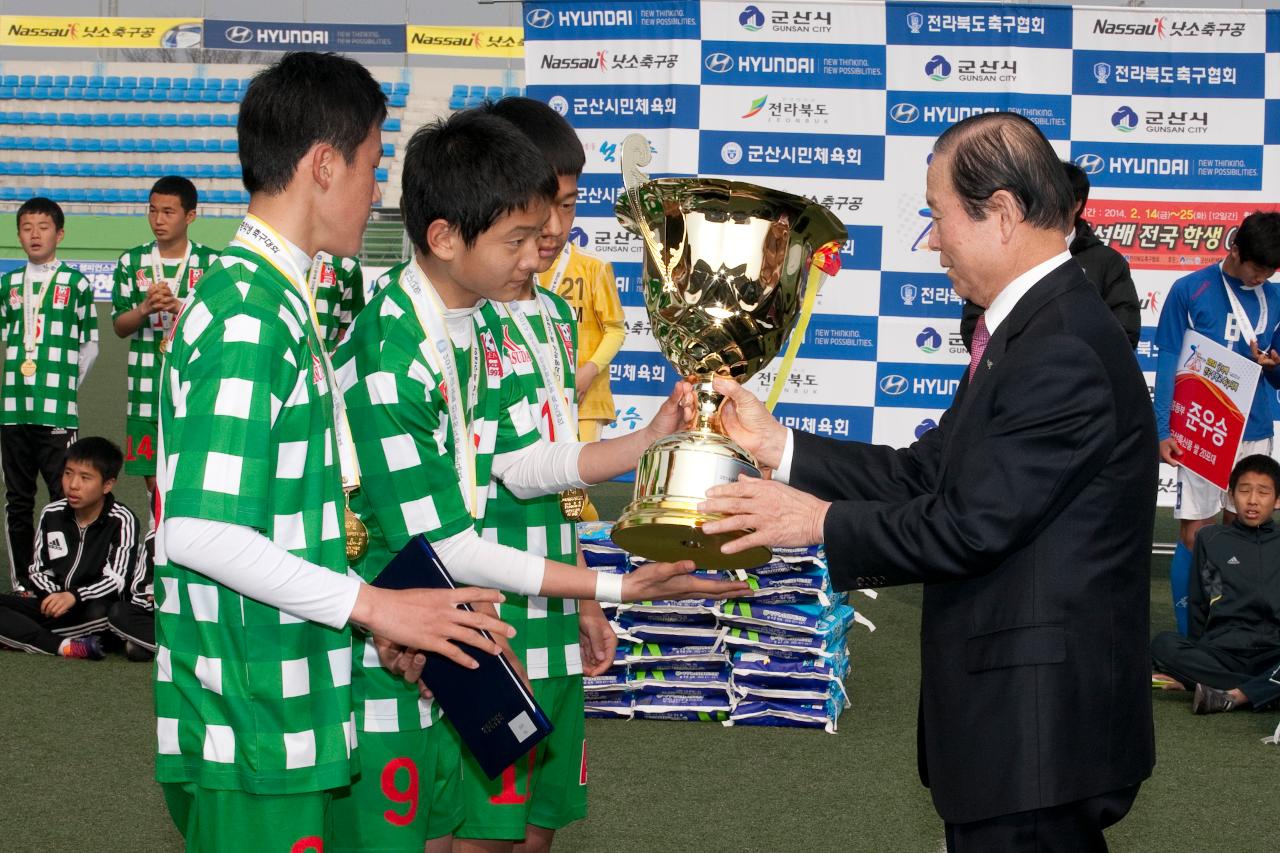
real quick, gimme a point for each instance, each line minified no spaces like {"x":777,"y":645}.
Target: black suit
{"x":1027,"y":515}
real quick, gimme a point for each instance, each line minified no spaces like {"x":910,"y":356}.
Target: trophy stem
{"x":706,"y":411}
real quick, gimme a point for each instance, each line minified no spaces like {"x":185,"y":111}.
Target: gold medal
{"x":28,"y":368}
{"x":572,"y":502}
{"x":164,"y":344}
{"x":357,"y":536}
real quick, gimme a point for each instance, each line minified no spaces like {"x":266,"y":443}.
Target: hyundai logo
{"x":904,"y":113}
{"x":239,"y":35}
{"x":1090,"y":164}
{"x":1124,"y":119}
{"x":893,"y":385}
{"x":578,"y":237}
{"x":718,"y":63}
{"x":559,"y":104}
{"x":539,"y":19}
{"x":751,"y":19}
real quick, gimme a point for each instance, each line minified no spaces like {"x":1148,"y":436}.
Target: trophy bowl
{"x":726,"y":265}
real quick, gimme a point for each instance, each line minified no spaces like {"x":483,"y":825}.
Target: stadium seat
{"x":160,"y":146}
{"x":147,"y":83}
{"x":136,"y":170}
{"x":61,"y":80}
{"x":84,"y":170}
{"x":155,"y":170}
{"x":194,"y":145}
{"x":476,"y":92}
{"x":230,"y":146}
{"x":388,"y":150}
{"x":128,"y":146}
{"x":224,"y":171}
{"x":176,"y":96}
{"x":203,"y":171}
{"x":168,"y":120}
{"x":79,"y":80}
{"x":227,"y":96}
{"x":456,"y":102}
{"x":209,"y":96}
{"x":391,"y":125}
{"x":146,"y":145}
{"x":150,"y":120}
{"x":100,"y":119}
{"x":6,"y":93}
{"x":178,"y":145}
{"x":58,"y":143}
{"x":459,"y":90}
{"x":220,"y":119}
{"x":38,"y":93}
{"x":214,"y":83}
{"x":75,"y":93}
{"x":93,"y":194}
{"x":110,"y":82}
{"x":156,"y":95}
{"x":196,"y":83}
{"x":386,"y":88}
{"x":179,"y":83}
{"x":129,"y":82}
{"x":111,"y":145}
{"x":397,"y":101}
{"x":380,"y":175}
{"x":48,"y":118}
{"x":203,"y":120}
{"x":400,"y":89}
{"x":44,"y":80}
{"x":10,"y":80}
{"x":95,"y":80}
{"x":511,"y":92}
{"x":186,"y":120}
{"x":27,"y":80}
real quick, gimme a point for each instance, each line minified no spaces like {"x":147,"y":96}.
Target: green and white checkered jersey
{"x":392,"y":381}
{"x":65,"y":322}
{"x":129,"y":288}
{"x":339,"y":296}
{"x":248,"y":697}
{"x":546,"y":628}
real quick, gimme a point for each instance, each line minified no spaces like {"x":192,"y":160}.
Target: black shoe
{"x":137,"y":653}
{"x":1210,"y":700}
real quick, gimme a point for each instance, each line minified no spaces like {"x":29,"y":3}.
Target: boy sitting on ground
{"x":84,"y":546}
{"x":1231,"y":655}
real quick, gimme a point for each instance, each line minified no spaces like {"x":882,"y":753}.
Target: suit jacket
{"x":1027,"y":514}
{"x":1102,"y":265}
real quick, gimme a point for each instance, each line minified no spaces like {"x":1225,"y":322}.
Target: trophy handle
{"x":635,"y":154}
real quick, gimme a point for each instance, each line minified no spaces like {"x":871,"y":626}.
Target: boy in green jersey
{"x":548,"y":789}
{"x":151,"y":283}
{"x":437,"y":412}
{"x":255,"y":722}
{"x":50,"y":342}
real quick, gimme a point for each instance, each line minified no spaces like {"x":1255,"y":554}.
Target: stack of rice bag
{"x":777,"y":657}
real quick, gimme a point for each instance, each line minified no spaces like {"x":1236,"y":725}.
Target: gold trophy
{"x":726,"y":266}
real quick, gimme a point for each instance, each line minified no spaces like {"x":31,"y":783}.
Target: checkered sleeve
{"x":352,"y":288}
{"x":85,"y":311}
{"x":401,"y":432}
{"x":517,"y":420}
{"x":227,"y":388}
{"x":122,"y":287}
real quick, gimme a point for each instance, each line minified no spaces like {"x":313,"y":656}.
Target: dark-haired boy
{"x":133,"y":618}
{"x":552,"y":634}
{"x":423,"y":365}
{"x":1232,"y":303}
{"x":51,"y":341}
{"x":151,"y":283}
{"x":1231,"y":655}
{"x":255,"y":723}
{"x":85,"y":545}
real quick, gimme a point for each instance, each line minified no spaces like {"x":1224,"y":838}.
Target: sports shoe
{"x":1210,"y":700}
{"x":89,"y":647}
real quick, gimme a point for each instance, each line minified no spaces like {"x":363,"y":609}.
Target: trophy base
{"x":663,"y":522}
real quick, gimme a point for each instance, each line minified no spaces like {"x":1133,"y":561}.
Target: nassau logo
{"x":929,"y":340}
{"x":1124,"y":119}
{"x":894,"y":385}
{"x":751,"y":19}
{"x":756,"y":106}
{"x":938,"y":68}
{"x":1090,"y":164}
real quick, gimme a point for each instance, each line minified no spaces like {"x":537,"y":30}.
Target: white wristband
{"x":608,"y":587}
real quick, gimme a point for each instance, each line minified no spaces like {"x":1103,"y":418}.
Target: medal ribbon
{"x":1250,"y":333}
{"x":553,"y":375}
{"x":32,"y":305}
{"x":430,"y":312}
{"x":261,"y":239}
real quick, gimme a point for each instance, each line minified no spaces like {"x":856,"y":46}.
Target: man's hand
{"x":777,"y":513}
{"x":1268,"y":360}
{"x":596,"y":639}
{"x":746,"y":421}
{"x":431,"y":620}
{"x":1170,"y":451}
{"x":675,"y":414}
{"x":582,"y":380}
{"x":663,"y":581}
{"x":57,"y":604}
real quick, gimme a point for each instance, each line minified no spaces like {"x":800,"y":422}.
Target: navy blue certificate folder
{"x":490,"y":707}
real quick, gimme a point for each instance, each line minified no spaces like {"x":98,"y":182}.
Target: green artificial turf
{"x":76,"y":741}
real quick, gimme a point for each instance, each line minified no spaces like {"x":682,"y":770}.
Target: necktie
{"x":979,"y":344}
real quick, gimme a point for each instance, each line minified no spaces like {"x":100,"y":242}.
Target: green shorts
{"x":546,"y":788}
{"x":406,"y":789}
{"x":212,"y":820}
{"x":140,"y":447}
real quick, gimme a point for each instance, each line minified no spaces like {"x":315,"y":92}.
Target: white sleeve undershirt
{"x":88,"y":355}
{"x":478,"y":562}
{"x":242,"y":559}
{"x":540,"y":469}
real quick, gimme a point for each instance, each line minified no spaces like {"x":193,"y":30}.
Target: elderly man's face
{"x":965,"y":246}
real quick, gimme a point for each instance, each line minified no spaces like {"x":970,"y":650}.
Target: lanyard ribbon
{"x":549,"y":361}
{"x":33,"y":305}
{"x":261,"y":239}
{"x":1250,"y":332}
{"x":430,"y":312}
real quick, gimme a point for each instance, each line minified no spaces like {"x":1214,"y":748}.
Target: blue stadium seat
{"x":392,"y":125}
{"x":67,"y":170}
{"x":456,"y":102}
{"x":175,"y":96}
{"x":27,"y":80}
{"x":179,"y":83}
{"x":6,"y":93}
{"x":203,"y":120}
{"x":476,"y":92}
{"x":100,"y":119}
{"x":32,"y":169}
{"x":213,"y":83}
{"x":44,"y":80}
{"x":178,"y":145}
{"x":186,"y":120}
{"x":385,"y":87}
{"x":168,"y":120}
{"x":388,"y":150}
{"x":397,"y":101}
{"x":512,"y":92}
{"x":225,"y":171}
{"x":146,"y":145}
{"x":58,"y":143}
{"x":380,"y":175}
{"x":74,"y":93}
{"x":157,"y":95}
{"x":61,"y":80}
{"x":203,"y":171}
{"x":40,"y":143}
{"x":95,"y":80}
{"x":459,"y":90}
{"x":88,"y":94}
{"x":129,"y":82}
{"x":48,"y":118}
{"x":146,"y":82}
{"x":101,"y":170}
{"x":111,"y":144}
{"x":140,"y":94}
{"x":161,"y":146}
{"x":110,"y":82}
{"x":209,"y":96}
{"x":6,"y":142}
{"x":23,"y":142}
{"x":230,"y":146}
{"x":81,"y":119}
{"x":195,"y":145}
{"x":128,"y":146}
{"x":22,"y":93}
{"x":150,"y":120}
{"x":155,"y":170}
{"x":197,"y":83}
{"x":10,"y":80}
{"x":79,"y":143}
{"x":227,"y":96}
{"x":93,"y":194}
{"x":116,"y":119}
{"x":400,"y":89}
{"x":493,"y":93}
{"x":220,"y":119}
{"x":112,"y":195}
{"x":84,"y":170}
{"x":79,"y":80}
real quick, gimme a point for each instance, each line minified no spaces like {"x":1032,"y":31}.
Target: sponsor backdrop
{"x":1174,"y":114}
